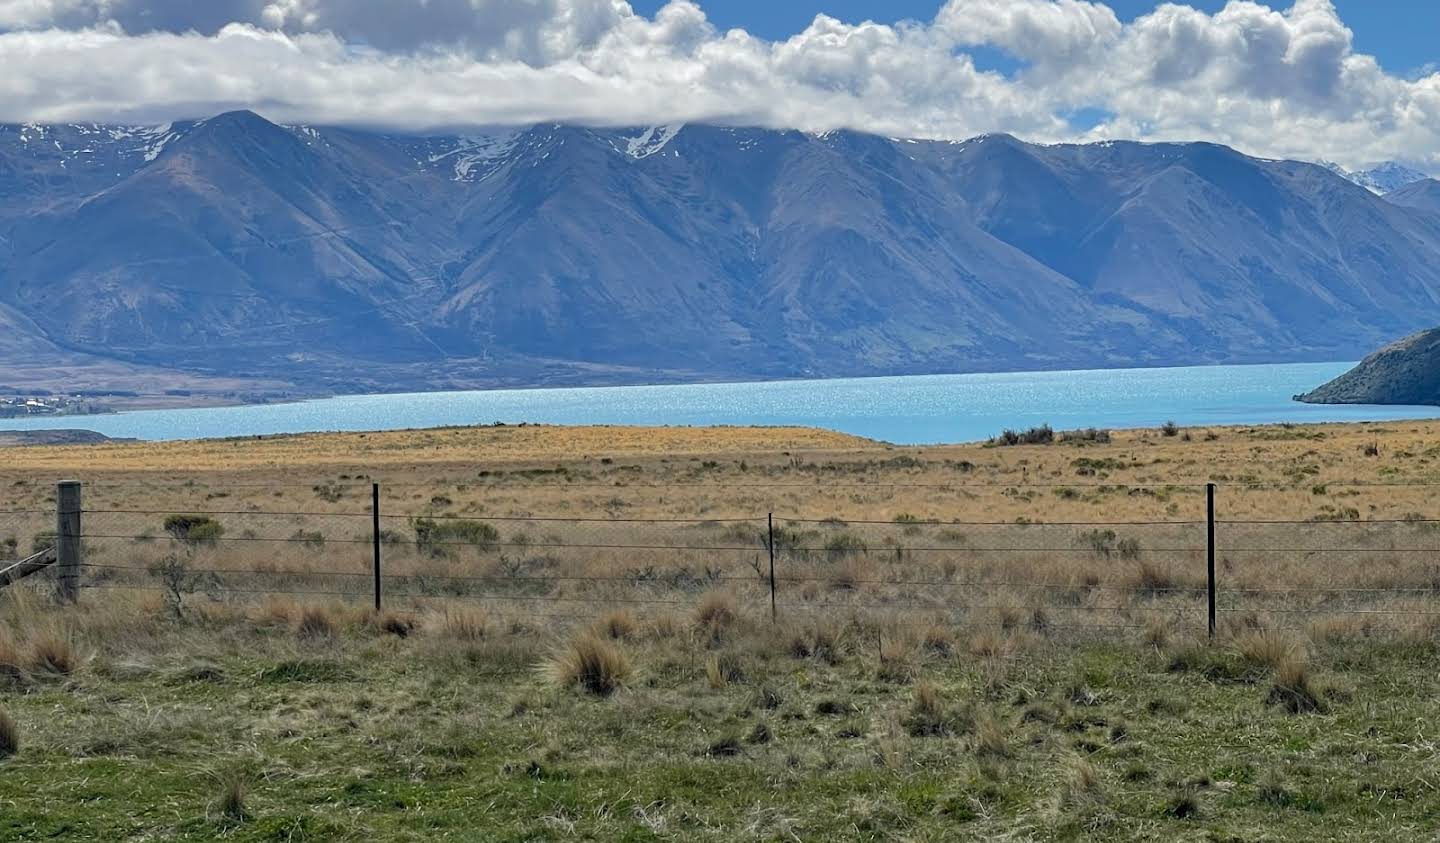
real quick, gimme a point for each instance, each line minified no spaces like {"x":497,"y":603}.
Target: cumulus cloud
{"x":1282,"y":83}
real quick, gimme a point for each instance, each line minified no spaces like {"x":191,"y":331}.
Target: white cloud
{"x":1270,"y":82}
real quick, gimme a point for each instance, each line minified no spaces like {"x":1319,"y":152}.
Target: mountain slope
{"x":341,"y":259}
{"x":1405,"y":372}
{"x":1421,"y":196}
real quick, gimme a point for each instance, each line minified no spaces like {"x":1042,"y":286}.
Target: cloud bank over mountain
{"x":1273,"y":83}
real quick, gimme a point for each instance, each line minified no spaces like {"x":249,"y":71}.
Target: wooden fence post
{"x":67,"y":539}
{"x":1210,"y":551}
{"x":375,"y":529}
{"x":774,"y":614}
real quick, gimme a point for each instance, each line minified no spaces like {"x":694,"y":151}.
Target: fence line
{"x":799,"y":565}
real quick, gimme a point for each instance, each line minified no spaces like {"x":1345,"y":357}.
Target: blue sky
{"x":1403,"y":34}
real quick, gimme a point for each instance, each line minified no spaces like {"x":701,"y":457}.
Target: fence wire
{"x":1338,"y":567}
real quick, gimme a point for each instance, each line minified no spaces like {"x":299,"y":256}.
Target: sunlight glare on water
{"x":904,"y":410}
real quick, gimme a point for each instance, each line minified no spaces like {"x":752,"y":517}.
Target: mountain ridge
{"x":348,"y":260}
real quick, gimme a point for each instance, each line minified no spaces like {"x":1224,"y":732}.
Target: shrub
{"x":9,"y":736}
{"x":1170,"y":428}
{"x":312,"y":539}
{"x":843,"y":545}
{"x":590,"y":662}
{"x":43,"y":540}
{"x":1042,"y":435}
{"x":435,"y":537}
{"x":194,"y":529}
{"x":1086,"y":435}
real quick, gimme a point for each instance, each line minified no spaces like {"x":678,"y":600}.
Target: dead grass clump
{"x":1082,"y":782}
{"x":926,"y":717}
{"x":938,"y":640}
{"x":1267,"y":647}
{"x":594,"y":664}
{"x":53,"y":654}
{"x":464,"y":625}
{"x":394,"y":624}
{"x":315,"y":623}
{"x":717,"y":611}
{"x":722,"y":669}
{"x":12,"y":668}
{"x":1150,"y":580}
{"x":666,"y":626}
{"x":1157,"y":633}
{"x":619,"y":625}
{"x":9,"y":736}
{"x":230,"y":803}
{"x":991,"y":741}
{"x":1294,"y":689}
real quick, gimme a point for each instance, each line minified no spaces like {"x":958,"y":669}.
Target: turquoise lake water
{"x":905,"y":410}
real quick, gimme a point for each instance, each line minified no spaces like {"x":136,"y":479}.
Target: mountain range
{"x":341,"y":259}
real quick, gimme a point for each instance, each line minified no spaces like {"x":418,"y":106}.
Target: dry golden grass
{"x":594,"y":664}
{"x":922,"y":533}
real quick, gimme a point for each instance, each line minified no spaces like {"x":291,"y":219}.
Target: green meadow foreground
{"x":897,"y":696}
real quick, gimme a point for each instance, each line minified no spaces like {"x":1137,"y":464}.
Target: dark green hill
{"x":1406,"y":372}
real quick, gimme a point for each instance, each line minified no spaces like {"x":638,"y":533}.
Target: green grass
{"x":372,"y":737}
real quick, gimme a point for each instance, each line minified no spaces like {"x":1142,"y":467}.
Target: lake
{"x":905,"y":410}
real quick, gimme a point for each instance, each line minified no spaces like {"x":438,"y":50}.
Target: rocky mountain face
{"x":1405,"y":372}
{"x":341,"y":259}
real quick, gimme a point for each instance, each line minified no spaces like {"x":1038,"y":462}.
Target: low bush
{"x":439,"y":537}
{"x":194,"y":529}
{"x":1042,"y":435}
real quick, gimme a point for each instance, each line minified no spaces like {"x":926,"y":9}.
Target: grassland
{"x":912,"y":688}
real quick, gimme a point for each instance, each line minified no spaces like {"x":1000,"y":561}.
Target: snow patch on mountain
{"x":652,"y":140}
{"x":1382,"y":178}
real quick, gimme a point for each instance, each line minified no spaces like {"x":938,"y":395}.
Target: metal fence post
{"x":774,"y":614}
{"x":375,"y":531}
{"x":67,"y":539}
{"x":1210,"y":551}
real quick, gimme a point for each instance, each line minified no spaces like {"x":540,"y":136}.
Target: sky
{"x":1353,"y":81}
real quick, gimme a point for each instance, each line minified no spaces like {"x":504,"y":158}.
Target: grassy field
{"x":929,"y":676}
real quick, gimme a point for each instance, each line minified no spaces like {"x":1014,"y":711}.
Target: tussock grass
{"x":462,"y":624}
{"x":1294,"y":689}
{"x":619,"y":625}
{"x":717,"y":612}
{"x":230,"y":802}
{"x":596,"y":665}
{"x":927,"y":716}
{"x":9,"y":736}
{"x":53,"y":653}
{"x":991,"y":739}
{"x":315,"y":623}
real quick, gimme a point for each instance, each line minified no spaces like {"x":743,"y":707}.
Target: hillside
{"x":345,"y":260}
{"x":1406,"y":372}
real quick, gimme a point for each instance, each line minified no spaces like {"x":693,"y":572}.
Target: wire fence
{"x":1338,"y":573}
